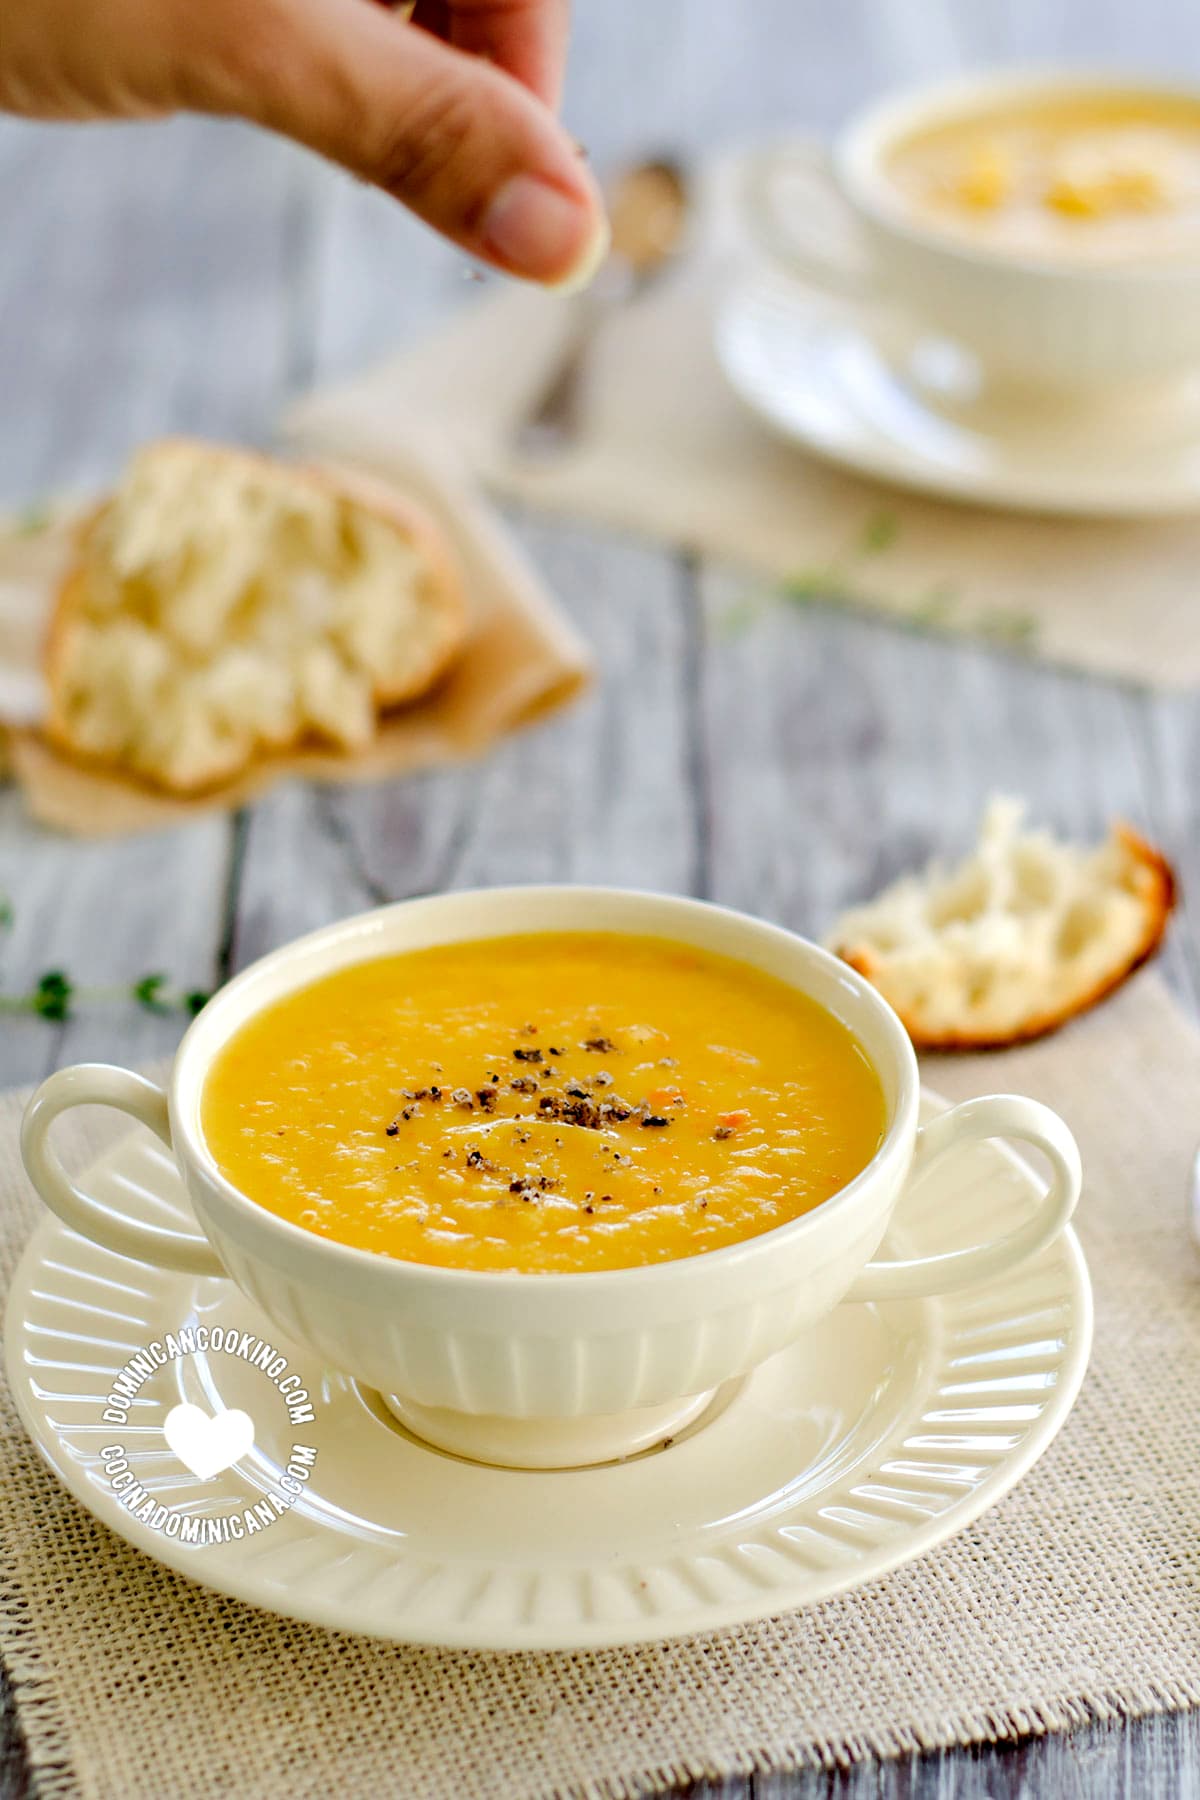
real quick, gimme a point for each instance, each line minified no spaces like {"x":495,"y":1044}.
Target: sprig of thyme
{"x":54,"y":995}
{"x":842,"y":581}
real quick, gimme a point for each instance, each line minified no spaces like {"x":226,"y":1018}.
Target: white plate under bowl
{"x":862,"y":392}
{"x":882,"y":1433}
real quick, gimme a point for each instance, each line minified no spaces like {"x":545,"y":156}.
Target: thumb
{"x":461,"y":143}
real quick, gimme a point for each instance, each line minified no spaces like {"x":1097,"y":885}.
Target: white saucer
{"x":863,"y":392}
{"x":887,"y":1430}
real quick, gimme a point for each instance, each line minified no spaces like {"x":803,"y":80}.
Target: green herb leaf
{"x":879,"y":531}
{"x":1018,"y":630}
{"x":195,"y":1000}
{"x":739,"y":617}
{"x":32,"y":520}
{"x":148,"y":993}
{"x":811,"y":584}
{"x":935,"y":607}
{"x":51,"y":998}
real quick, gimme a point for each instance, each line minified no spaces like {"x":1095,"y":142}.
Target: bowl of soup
{"x":545,"y":1167}
{"x":1049,"y":223}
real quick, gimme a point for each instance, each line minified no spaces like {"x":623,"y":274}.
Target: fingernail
{"x":539,"y":232}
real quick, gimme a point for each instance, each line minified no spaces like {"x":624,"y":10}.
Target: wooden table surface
{"x":195,"y":275}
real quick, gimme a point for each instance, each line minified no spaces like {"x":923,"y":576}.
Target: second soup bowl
{"x":1073,"y":326}
{"x":552,"y":1370}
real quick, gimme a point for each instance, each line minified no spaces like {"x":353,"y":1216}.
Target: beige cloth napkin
{"x":523,"y":659}
{"x":670,"y":452}
{"x":1077,"y":1598}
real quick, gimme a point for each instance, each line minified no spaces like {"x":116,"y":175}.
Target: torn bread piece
{"x":1021,"y":935}
{"x":223,"y":605}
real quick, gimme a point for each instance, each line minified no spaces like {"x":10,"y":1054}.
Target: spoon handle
{"x":554,"y":422}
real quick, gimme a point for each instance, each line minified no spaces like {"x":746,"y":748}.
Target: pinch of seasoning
{"x":555,"y":1052}
{"x":589,"y":1209}
{"x":529,"y":1030}
{"x":393,"y":1128}
{"x":655,"y":1119}
{"x":462,"y":1097}
{"x":579,"y":1093}
{"x":602,"y":1078}
{"x":602,"y":1044}
{"x":723,"y":1131}
{"x":531,"y":1054}
{"x":435,"y":1093}
{"x":486,"y":1097}
{"x":524,"y":1084}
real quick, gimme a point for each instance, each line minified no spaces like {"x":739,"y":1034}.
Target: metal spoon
{"x":648,"y":210}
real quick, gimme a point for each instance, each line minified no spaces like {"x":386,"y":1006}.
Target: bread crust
{"x":1158,"y":890}
{"x":444,"y":588}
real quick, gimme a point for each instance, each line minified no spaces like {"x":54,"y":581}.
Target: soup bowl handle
{"x":816,"y":246}
{"x":100,"y":1084}
{"x":995,"y":1115}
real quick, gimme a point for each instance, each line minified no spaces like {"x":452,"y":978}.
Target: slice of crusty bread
{"x":1022,"y":934}
{"x":223,"y":605}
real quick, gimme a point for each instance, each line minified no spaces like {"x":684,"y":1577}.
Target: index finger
{"x":526,"y":38}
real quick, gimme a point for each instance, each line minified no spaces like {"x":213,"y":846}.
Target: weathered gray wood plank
{"x":148,"y":293}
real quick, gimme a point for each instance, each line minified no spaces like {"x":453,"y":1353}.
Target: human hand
{"x":452,"y":112}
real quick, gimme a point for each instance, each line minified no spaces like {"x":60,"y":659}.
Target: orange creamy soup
{"x":1103,"y":177}
{"x":561,"y":1102}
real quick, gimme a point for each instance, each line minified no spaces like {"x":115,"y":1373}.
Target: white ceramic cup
{"x":551,"y":1370}
{"x":834,"y":219}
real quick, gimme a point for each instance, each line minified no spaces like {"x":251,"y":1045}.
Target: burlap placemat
{"x":668,"y":450}
{"x":1077,"y":1598}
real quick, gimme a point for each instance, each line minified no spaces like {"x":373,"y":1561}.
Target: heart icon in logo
{"x":208,"y":1445}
